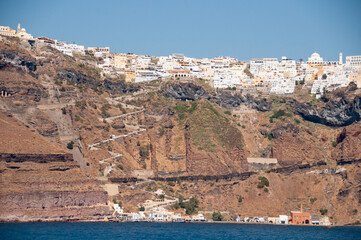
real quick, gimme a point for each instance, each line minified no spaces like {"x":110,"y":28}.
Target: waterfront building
{"x":300,"y":217}
{"x":274,"y":220}
{"x":284,"y":219}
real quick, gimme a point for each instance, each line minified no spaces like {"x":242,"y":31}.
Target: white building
{"x":283,"y":86}
{"x":340,"y":59}
{"x":21,"y":33}
{"x":329,"y":82}
{"x":315,"y":59}
{"x":68,"y":49}
{"x":284,"y":219}
{"x":353,"y":60}
{"x":224,"y":78}
{"x":287,"y":68}
{"x":264,"y":65}
{"x":99,"y":51}
{"x":146,"y":75}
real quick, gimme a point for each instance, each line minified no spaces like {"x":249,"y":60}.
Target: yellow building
{"x":130,"y":75}
{"x":7,"y":31}
{"x":356,"y":78}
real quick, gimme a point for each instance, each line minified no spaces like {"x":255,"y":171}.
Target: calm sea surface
{"x":170,"y":231}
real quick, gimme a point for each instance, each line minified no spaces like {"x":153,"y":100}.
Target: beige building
{"x":130,"y":75}
{"x":356,"y":78}
{"x":7,"y":31}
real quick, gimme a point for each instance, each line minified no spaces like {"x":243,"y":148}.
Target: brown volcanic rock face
{"x":348,"y":148}
{"x":16,"y":138}
{"x":291,"y":150}
{"x":52,"y":199}
{"x":21,"y":86}
{"x":40,"y":180}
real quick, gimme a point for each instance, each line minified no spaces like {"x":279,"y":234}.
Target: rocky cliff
{"x":336,"y":113}
{"x":189,"y":139}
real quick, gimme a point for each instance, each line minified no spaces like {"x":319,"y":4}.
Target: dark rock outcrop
{"x":12,"y":58}
{"x":120,"y":86}
{"x":335,"y":113}
{"x":228,"y":100}
{"x":76,"y":77}
{"x":192,"y":92}
{"x":38,"y":158}
{"x":185,"y":91}
{"x":280,"y":130}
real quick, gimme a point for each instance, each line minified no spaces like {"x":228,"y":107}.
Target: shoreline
{"x":198,"y":222}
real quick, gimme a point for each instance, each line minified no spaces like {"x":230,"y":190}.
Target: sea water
{"x":223,"y":231}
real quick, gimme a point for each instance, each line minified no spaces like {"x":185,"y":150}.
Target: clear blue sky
{"x":241,"y":29}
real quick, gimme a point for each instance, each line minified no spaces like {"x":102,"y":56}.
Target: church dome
{"x":315,"y":55}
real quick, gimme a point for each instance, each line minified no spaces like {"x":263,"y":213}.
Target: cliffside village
{"x":265,"y":76}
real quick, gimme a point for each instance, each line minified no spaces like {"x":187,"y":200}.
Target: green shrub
{"x":269,"y":136}
{"x":227,"y":112}
{"x":312,"y":200}
{"x":240,"y":199}
{"x":263,"y":182}
{"x":323,"y":211}
{"x":278,"y":114}
{"x":161,"y":131}
{"x":141,"y":209}
{"x":217,"y":216}
{"x":144,"y":151}
{"x":81,"y":104}
{"x":191,"y":206}
{"x":63,"y":110}
{"x":193,"y":107}
{"x":182,"y":116}
{"x":334,"y":144}
{"x":70,"y":145}
{"x":181,"y":107}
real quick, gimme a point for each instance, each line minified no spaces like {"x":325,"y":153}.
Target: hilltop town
{"x":91,"y":135}
{"x":266,"y":75}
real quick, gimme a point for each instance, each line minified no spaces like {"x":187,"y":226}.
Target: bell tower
{"x":19,"y":28}
{"x":340,"y":60}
